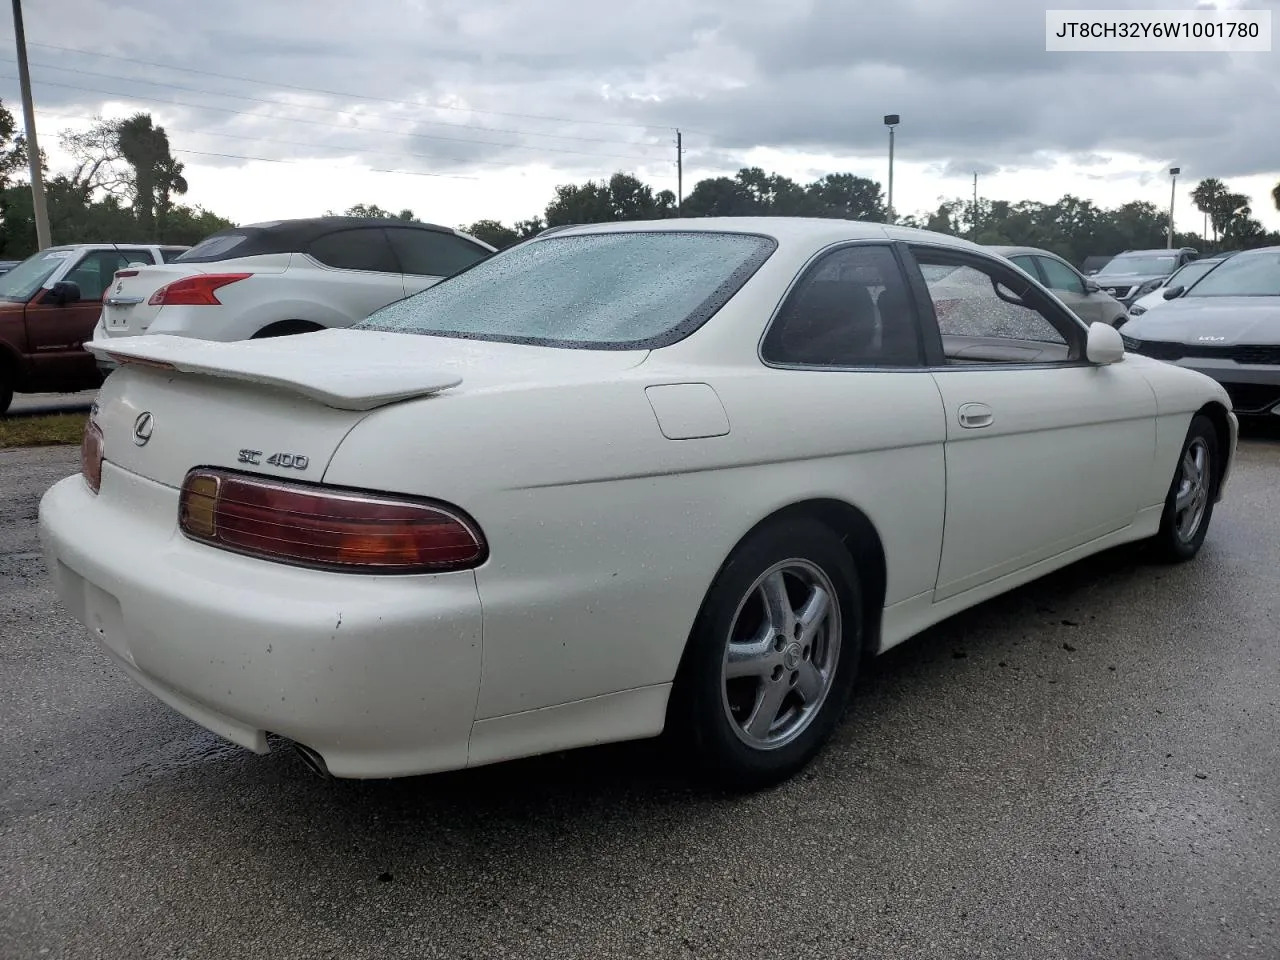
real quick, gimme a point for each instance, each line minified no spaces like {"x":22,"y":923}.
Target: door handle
{"x":975,"y":415}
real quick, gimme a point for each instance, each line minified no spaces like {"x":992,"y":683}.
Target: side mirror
{"x":1173,"y":293}
{"x":1091,"y":286}
{"x":64,"y":292}
{"x":1104,"y":344}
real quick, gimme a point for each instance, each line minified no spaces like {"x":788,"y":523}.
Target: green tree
{"x":493,"y":233}
{"x":621,"y":197}
{"x":372,"y":211}
{"x":1275,"y":195}
{"x":845,"y":196}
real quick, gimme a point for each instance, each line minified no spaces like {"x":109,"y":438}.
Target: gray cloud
{"x":973,"y":83}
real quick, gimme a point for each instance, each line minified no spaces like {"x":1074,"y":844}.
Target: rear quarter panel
{"x":605,"y":536}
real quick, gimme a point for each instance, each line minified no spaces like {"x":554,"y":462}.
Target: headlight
{"x":1137,"y":310}
{"x":1130,"y":343}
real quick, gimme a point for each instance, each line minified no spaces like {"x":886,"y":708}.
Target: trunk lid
{"x":125,"y":311}
{"x":282,"y":406}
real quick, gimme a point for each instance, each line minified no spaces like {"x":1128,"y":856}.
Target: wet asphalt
{"x":1086,"y":768}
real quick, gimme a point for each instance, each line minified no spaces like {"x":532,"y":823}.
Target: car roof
{"x":1156,"y":251}
{"x":305,"y":229}
{"x":1021,"y":251}
{"x":783,"y":229}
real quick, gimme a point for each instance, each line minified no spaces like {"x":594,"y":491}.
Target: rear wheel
{"x":1189,"y":505}
{"x":772,"y":656}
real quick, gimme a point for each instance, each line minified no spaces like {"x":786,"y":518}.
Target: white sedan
{"x":284,"y":277}
{"x":622,"y":478}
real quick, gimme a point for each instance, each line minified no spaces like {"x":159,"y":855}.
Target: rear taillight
{"x":324,"y":527}
{"x":91,"y":456}
{"x":197,"y":291}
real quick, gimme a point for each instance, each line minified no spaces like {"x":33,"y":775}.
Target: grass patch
{"x":53,"y":429}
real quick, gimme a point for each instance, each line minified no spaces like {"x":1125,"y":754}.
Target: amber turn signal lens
{"x":91,"y":447}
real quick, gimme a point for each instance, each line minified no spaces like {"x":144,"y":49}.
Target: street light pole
{"x":38,"y":208}
{"x":891,"y":120}
{"x":1173,"y":193}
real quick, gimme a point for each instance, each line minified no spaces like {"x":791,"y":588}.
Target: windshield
{"x":21,"y":283}
{"x":1244,"y":275}
{"x":1191,"y":273}
{"x":615,"y":291}
{"x":1152,"y":265}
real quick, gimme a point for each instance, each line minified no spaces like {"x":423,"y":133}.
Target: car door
{"x":427,"y":256}
{"x":358,"y":271}
{"x":1044,"y":451}
{"x":851,"y":379}
{"x":57,"y":331}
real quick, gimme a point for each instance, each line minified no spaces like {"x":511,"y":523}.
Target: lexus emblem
{"x":119,"y":286}
{"x":1214,"y":339}
{"x":142,"y":428}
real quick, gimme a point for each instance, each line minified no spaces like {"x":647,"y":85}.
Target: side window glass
{"x":429,"y":253}
{"x":982,"y":317}
{"x":94,"y":272}
{"x":1027,"y":264}
{"x":1060,"y":277}
{"x":362,"y":248}
{"x":851,"y":309}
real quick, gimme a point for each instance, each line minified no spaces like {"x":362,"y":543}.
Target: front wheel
{"x":6,"y":391}
{"x":772,"y":656}
{"x":1189,"y":505}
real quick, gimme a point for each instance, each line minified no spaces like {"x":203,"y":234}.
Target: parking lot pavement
{"x":1087,"y":768}
{"x":34,"y":404}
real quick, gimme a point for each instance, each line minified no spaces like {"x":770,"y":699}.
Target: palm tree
{"x":156,"y":174}
{"x":1275,"y":195}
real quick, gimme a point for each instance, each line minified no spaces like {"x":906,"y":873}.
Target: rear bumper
{"x":378,"y":674}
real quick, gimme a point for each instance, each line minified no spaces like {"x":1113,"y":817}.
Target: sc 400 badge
{"x":285,"y":461}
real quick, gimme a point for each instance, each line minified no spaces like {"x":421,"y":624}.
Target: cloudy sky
{"x":463,"y":109}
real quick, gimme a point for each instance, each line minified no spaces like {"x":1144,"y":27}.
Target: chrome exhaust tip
{"x":314,"y":762}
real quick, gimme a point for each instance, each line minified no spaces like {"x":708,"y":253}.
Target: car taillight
{"x":91,"y":456}
{"x":324,"y":527}
{"x":197,"y":291}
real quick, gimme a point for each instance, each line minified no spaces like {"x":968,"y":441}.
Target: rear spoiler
{"x":329,"y":376}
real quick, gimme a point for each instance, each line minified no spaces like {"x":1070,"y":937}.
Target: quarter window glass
{"x":429,"y":253}
{"x":850,"y":310}
{"x":363,"y":248}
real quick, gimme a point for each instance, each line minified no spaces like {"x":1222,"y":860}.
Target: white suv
{"x":284,"y":277}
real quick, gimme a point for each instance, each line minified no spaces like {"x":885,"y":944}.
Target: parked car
{"x":1134,"y":273}
{"x":1226,"y":326}
{"x":49,"y":303}
{"x":1082,"y":294}
{"x":286,"y":277}
{"x":627,"y":477}
{"x":1186,"y":276}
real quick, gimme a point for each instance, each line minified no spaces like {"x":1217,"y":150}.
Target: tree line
{"x":125,"y":183}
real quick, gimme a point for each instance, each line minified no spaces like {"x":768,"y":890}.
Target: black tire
{"x":704,"y":723}
{"x":1176,"y":542}
{"x":6,"y":390}
{"x":286,"y":328}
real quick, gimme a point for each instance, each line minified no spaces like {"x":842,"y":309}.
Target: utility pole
{"x":679,"y":171}
{"x":38,"y":207}
{"x":1173,"y":193}
{"x":974,"y":218}
{"x":891,"y":120}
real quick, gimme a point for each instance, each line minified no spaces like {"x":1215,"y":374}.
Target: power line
{"x":302,"y":106}
{"x":396,"y":133}
{"x":338,"y":93}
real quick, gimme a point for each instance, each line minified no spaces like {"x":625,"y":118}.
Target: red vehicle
{"x":49,"y":305}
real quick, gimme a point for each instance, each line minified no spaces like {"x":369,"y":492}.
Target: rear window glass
{"x":620,"y":291}
{"x":217,"y":247}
